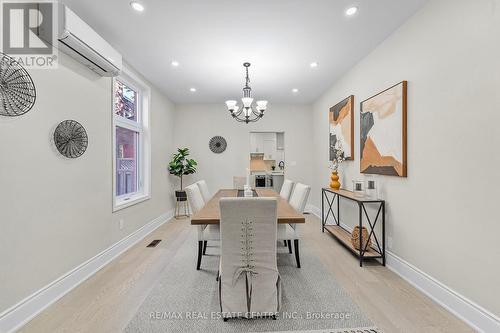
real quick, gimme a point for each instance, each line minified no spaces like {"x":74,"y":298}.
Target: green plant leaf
{"x":180,"y":165}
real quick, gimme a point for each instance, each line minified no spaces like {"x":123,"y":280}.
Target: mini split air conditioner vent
{"x":78,"y":40}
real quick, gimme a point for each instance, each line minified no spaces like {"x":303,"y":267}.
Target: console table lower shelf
{"x":377,"y":250}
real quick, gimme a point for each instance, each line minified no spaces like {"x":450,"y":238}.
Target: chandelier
{"x":246,"y":113}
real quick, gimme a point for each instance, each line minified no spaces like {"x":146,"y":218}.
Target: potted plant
{"x":180,"y":166}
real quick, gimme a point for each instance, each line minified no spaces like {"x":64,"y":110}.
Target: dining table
{"x":210,"y":213}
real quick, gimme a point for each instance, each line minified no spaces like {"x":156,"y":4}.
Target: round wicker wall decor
{"x":71,"y":139}
{"x":217,"y":144}
{"x":17,"y":90}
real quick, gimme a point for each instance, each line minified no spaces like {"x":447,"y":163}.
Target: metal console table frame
{"x":343,"y":235}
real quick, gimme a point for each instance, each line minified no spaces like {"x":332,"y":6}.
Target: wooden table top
{"x":210,"y":213}
{"x":350,"y":195}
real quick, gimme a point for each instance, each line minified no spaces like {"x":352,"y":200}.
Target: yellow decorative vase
{"x":334,"y":183}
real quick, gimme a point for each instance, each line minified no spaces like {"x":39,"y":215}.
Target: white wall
{"x":196,"y":124}
{"x":56,"y":213}
{"x":442,"y":218}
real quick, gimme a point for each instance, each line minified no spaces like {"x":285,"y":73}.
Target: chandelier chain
{"x":248,"y":79}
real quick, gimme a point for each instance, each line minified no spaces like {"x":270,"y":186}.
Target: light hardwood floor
{"x":109,"y":299}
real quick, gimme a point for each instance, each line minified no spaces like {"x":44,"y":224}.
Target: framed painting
{"x":341,"y":121}
{"x":383,"y":132}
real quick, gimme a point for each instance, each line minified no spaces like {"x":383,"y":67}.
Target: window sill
{"x":122,"y":203}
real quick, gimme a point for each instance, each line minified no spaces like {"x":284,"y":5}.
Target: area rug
{"x":186,"y":300}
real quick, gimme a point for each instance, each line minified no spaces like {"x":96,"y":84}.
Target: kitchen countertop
{"x":267,"y":172}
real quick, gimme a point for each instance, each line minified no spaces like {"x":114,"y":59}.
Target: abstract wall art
{"x":341,"y":120}
{"x":383,"y":132}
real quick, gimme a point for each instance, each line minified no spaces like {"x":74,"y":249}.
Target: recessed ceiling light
{"x":192,"y":89}
{"x":314,"y":64}
{"x":137,"y":6}
{"x":295,"y":90}
{"x":351,"y":11}
{"x":175,"y":63}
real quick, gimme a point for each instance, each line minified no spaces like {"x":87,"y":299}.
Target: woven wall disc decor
{"x":17,"y":90}
{"x":217,"y":144}
{"x":71,"y":139}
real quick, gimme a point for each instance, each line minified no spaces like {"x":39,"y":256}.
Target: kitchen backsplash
{"x":261,"y":165}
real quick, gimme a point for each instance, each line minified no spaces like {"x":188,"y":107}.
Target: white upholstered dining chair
{"x":205,"y":193}
{"x":286,"y":189}
{"x":205,"y":232}
{"x":249,"y":280}
{"x":289,"y":232}
{"x":213,"y":230}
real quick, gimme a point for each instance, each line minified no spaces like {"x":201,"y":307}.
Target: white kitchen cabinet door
{"x":256,"y":143}
{"x":280,"y":141}
{"x":269,"y":149}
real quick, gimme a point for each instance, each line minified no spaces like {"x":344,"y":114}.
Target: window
{"x":131,"y":145}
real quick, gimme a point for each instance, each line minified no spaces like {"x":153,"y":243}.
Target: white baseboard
{"x":471,"y":313}
{"x":19,"y":314}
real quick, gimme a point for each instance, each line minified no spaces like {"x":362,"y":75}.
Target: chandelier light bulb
{"x":247,"y":102}
{"x":231,"y":105}
{"x":261,"y":105}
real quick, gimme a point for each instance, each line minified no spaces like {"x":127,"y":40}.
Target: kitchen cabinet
{"x":280,"y":141}
{"x":269,"y":146}
{"x":263,"y":143}
{"x":257,"y":143}
{"x":269,"y":149}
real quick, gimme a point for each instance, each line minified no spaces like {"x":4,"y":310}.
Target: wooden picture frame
{"x":383,"y":132}
{"x":341,"y":126}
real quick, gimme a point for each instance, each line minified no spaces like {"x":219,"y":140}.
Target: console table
{"x":377,"y":250}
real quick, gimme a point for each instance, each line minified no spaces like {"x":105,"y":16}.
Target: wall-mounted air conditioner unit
{"x":78,"y":40}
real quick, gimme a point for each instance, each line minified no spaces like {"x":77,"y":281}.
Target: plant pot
{"x":180,"y":195}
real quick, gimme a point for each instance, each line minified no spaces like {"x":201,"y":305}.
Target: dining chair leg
{"x":296,"y":248}
{"x":205,"y":247}
{"x":285,"y":242}
{"x":200,"y":254}
{"x":289,"y":244}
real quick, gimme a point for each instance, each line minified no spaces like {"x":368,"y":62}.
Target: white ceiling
{"x":212,"y":38}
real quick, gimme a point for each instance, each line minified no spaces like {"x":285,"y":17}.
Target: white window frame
{"x":144,"y":147}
